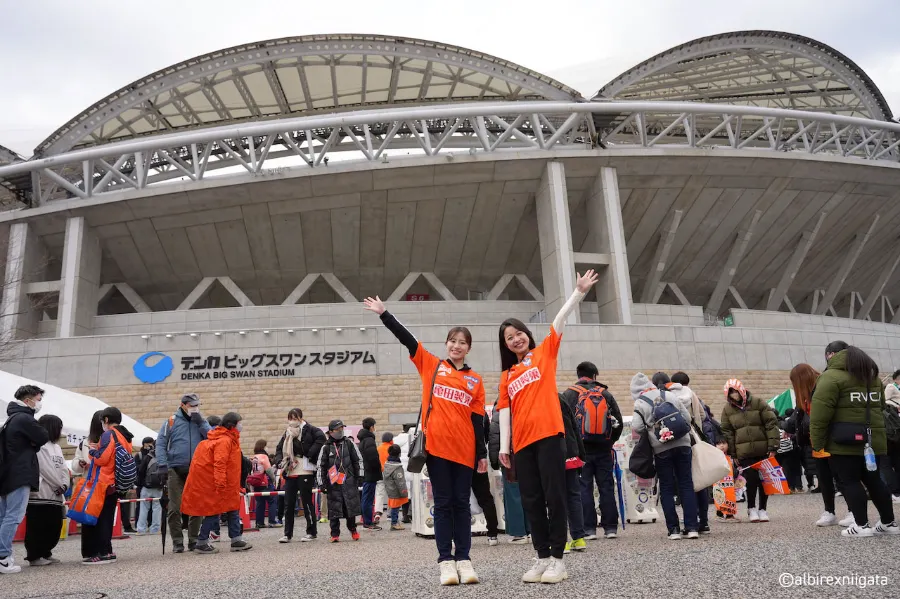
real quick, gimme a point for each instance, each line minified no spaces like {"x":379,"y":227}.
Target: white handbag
{"x":708,"y":464}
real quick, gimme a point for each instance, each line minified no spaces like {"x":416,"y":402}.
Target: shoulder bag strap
{"x":430,"y":395}
{"x":506,"y":380}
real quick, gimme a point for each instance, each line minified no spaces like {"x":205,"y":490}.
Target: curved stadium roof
{"x":756,"y":68}
{"x":300,"y":75}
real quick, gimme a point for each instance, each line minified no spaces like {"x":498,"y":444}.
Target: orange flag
{"x":723,"y":492}
{"x":772,"y":475}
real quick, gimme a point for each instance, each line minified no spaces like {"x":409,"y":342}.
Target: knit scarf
{"x":292,"y":432}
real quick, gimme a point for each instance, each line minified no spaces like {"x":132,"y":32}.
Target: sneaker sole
{"x":555,"y":581}
{"x":236,"y":549}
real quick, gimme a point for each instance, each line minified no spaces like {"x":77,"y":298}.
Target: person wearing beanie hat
{"x":148,"y":487}
{"x":750,"y":426}
{"x":672,"y":457}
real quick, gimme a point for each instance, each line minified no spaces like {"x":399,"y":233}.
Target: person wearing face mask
{"x":340,"y":467}
{"x":297,"y":453}
{"x":22,"y":439}
{"x":150,"y":486}
{"x":452,"y":418}
{"x":96,"y":541}
{"x":214,"y":486}
{"x":175,"y":446}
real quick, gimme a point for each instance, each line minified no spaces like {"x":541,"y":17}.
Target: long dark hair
{"x":508,"y":358}
{"x":861,"y":366}
{"x":96,"y":430}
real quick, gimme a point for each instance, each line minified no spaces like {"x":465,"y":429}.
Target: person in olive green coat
{"x":845,"y":418}
{"x":751,"y":428}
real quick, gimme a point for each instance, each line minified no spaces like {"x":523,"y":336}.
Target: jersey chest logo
{"x":526,"y":378}
{"x":453,"y":395}
{"x":471,"y":381}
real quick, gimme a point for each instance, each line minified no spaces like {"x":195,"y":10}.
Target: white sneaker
{"x":693,"y":534}
{"x":838,"y":494}
{"x":887,"y":529}
{"x":492,"y":542}
{"x":284,"y":540}
{"x":308,"y":539}
{"x":466,"y":572}
{"x":449,"y":576}
{"x":536,"y":573}
{"x":763,"y":516}
{"x":518,"y":540}
{"x":753,"y":514}
{"x":858,"y":531}
{"x":555,"y":572}
{"x":827,"y":519}
{"x":895,"y":498}
{"x":592,"y":537}
{"x":674,"y":536}
{"x":611,"y":535}
{"x":8,"y":566}
{"x":848,"y":520}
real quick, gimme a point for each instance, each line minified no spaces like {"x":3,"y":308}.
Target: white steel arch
{"x":300,"y":75}
{"x":754,"y":68}
{"x":430,"y":130}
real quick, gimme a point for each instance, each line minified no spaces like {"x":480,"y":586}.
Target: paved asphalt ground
{"x":737,"y":560}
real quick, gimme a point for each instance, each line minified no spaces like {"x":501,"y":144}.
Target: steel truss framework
{"x":300,"y":75}
{"x":755,"y":68}
{"x":520,"y":126}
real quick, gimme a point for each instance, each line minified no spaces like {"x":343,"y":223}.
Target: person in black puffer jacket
{"x":20,"y":475}
{"x":368,"y":448}
{"x":574,"y":462}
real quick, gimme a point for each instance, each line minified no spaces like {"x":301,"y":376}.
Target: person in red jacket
{"x":96,"y":541}
{"x":213,"y":486}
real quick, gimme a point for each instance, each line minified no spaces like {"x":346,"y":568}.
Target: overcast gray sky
{"x":60,"y":56}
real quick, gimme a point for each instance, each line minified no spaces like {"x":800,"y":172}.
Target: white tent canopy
{"x":74,"y":409}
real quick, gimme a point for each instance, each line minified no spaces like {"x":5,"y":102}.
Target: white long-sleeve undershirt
{"x":559,"y":324}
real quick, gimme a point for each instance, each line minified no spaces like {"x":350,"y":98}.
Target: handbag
{"x":88,"y":497}
{"x":641,"y":462}
{"x":853,"y":433}
{"x":708,"y":464}
{"x":417,"y":454}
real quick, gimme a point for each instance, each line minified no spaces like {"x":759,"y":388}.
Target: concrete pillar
{"x":80,"y":280}
{"x":607,"y":233}
{"x":26,"y":261}
{"x":555,"y":237}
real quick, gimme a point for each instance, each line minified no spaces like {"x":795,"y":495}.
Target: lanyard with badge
{"x":334,"y":475}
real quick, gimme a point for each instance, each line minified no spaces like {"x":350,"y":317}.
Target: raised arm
{"x":582,"y":286}
{"x":392,"y":324}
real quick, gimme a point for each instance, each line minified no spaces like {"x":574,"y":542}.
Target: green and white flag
{"x":783,"y":402}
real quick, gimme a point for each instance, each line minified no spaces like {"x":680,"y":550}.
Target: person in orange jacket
{"x":213,"y":486}
{"x":96,"y":541}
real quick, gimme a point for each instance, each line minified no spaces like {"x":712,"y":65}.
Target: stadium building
{"x":213,"y":226}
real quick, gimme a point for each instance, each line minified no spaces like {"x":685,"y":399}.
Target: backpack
{"x":257,"y":477}
{"x":891,"y":424}
{"x":126,"y":469}
{"x":152,"y":479}
{"x":668,"y":423}
{"x":592,"y":416}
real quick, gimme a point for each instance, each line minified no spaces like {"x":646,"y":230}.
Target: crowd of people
{"x":554,"y":451}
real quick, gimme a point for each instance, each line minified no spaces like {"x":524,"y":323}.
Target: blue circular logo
{"x":157,"y":372}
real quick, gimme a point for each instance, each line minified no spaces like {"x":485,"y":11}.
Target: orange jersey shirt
{"x":458,"y":394}
{"x":529,"y":390}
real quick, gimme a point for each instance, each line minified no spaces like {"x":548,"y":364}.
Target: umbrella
{"x":618,"y":471}
{"x":164,"y":505}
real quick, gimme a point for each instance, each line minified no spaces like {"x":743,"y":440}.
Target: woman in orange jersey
{"x":453,"y":420}
{"x":529,"y":407}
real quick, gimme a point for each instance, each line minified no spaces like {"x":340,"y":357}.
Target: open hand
{"x":374,"y":305}
{"x":504,"y":460}
{"x":482,"y":466}
{"x":586,"y":281}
